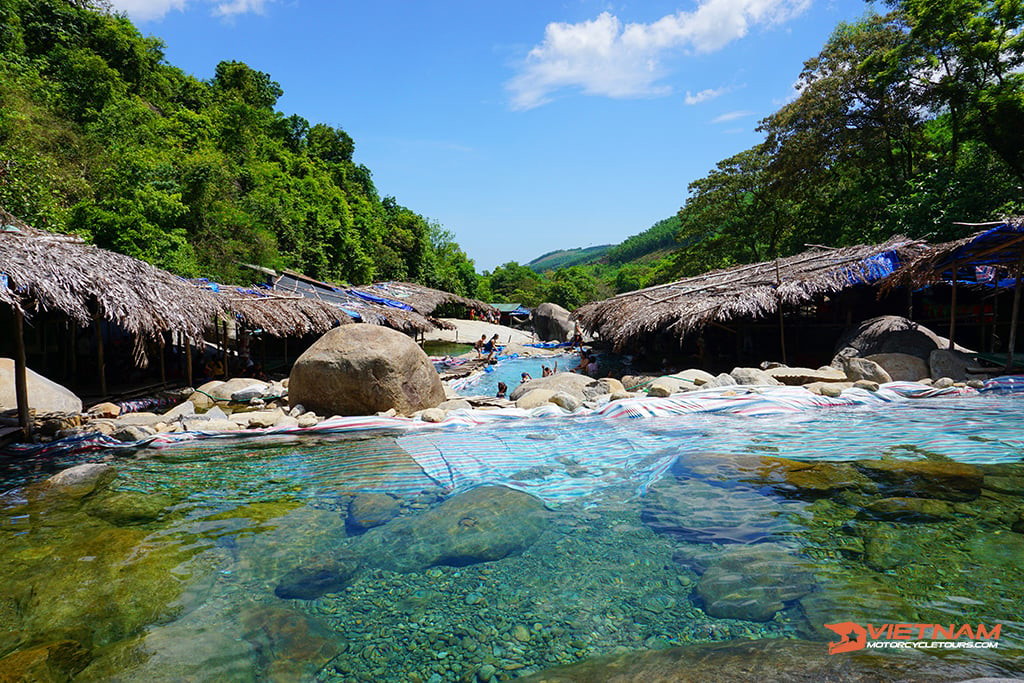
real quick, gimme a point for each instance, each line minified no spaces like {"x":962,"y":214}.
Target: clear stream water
{"x":176,"y":569}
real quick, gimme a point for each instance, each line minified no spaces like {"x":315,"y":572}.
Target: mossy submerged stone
{"x":754,"y":582}
{"x":314,"y":579}
{"x":56,"y":661}
{"x":481,"y":525}
{"x":369,"y":510}
{"x":942,"y":479}
{"x":908,"y":510}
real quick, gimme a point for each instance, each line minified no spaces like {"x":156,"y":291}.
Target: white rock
{"x":565,"y":401}
{"x":433,"y":415}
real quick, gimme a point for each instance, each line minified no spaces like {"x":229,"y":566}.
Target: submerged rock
{"x":127,"y":508}
{"x":484,"y":524}
{"x":907,"y":510}
{"x":310,"y":581}
{"x":56,"y":661}
{"x":754,"y":582}
{"x":363,"y":369}
{"x":943,"y":479}
{"x":697,"y":512}
{"x":292,"y":644}
{"x":369,"y":510}
{"x":81,"y":480}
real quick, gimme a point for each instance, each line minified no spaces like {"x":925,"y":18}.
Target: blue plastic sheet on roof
{"x":4,"y":281}
{"x":874,"y":268}
{"x":380,"y":300}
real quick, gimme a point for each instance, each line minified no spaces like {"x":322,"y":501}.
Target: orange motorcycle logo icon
{"x":851,"y":637}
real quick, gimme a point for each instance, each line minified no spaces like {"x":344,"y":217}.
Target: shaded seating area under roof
{"x":990,"y":258}
{"x":757,"y":290}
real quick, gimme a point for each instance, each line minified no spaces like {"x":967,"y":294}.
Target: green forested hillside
{"x":905,"y":123}
{"x":564,"y":258}
{"x":100,"y":136}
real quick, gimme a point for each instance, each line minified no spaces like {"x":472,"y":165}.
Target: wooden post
{"x":21,"y":374}
{"x":161,"y":348}
{"x":1015,"y":313}
{"x":952,"y":311}
{"x":99,"y":356}
{"x":188,"y":361}
{"x":782,"y":329}
{"x":225,"y":357}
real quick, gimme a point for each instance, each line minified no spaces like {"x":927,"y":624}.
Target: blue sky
{"x":524,"y":126}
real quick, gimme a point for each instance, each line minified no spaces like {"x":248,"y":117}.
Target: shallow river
{"x":644,"y":540}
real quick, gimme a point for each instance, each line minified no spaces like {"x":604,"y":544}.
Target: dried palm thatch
{"x":284,"y":315}
{"x":410,"y":322}
{"x":755,"y":291}
{"x":999,"y":247}
{"x":426,"y":300}
{"x":52,"y":272}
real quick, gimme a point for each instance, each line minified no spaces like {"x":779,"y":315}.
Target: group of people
{"x":588,"y":364}
{"x":486,"y":347}
{"x":487,"y":316}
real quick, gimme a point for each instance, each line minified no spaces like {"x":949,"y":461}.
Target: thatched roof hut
{"x":426,"y":300}
{"x":985,"y":256}
{"x":43,"y":271}
{"x":990,"y":258}
{"x":282,"y":315}
{"x":756,"y":290}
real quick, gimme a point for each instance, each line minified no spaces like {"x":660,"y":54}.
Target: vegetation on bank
{"x":905,"y":122}
{"x":102,"y":137}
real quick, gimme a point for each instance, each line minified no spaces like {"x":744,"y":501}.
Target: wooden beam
{"x":21,"y":375}
{"x":163,"y":370}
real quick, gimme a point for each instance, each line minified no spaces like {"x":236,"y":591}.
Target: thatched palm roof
{"x":53,"y":272}
{"x":756,"y":290}
{"x":999,"y":247}
{"x":426,"y":300}
{"x":283,"y":315}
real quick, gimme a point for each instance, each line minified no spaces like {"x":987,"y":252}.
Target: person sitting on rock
{"x":502,"y":390}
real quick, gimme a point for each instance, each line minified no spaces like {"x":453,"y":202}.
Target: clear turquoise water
{"x":170,"y":572}
{"x":510,"y":372}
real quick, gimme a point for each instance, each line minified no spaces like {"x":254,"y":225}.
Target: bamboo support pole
{"x":161,"y":348}
{"x":21,"y":375}
{"x":782,"y":328}
{"x":188,"y":361}
{"x":99,"y":356}
{"x":952,"y":310}
{"x":1015,"y":314}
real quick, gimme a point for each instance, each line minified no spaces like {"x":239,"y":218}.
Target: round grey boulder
{"x":364,"y":369}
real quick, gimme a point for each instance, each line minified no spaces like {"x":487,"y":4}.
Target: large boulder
{"x":888,"y":334}
{"x":753,"y":377}
{"x":946,"y":363}
{"x":44,"y":396}
{"x":864,"y":369}
{"x":902,"y":367}
{"x":551,"y":323}
{"x":569,"y":382}
{"x":799,"y":376}
{"x":364,"y":369}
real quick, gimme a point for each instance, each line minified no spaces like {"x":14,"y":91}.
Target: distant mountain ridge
{"x":565,"y":258}
{"x":658,"y":240}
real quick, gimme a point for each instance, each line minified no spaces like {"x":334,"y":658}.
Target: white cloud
{"x":732,"y":116}
{"x":603,"y":56}
{"x":150,"y":10}
{"x":705,"y":95}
